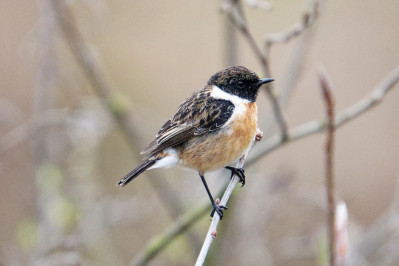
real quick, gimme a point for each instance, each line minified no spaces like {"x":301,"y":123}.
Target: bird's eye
{"x":240,"y":84}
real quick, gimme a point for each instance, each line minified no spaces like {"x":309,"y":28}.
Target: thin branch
{"x":298,"y":56}
{"x":308,"y":18}
{"x":92,"y":68}
{"x":318,"y":125}
{"x":211,"y":235}
{"x":237,"y":18}
{"x":326,"y":87}
{"x":101,"y":84}
{"x":159,"y":242}
{"x":97,"y":77}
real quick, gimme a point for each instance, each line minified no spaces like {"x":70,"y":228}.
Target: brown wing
{"x":198,"y":115}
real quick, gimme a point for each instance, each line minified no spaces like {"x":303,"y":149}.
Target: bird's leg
{"x":216,"y":208}
{"x":238,"y":172}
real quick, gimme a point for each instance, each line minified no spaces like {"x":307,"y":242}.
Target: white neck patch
{"x":240,"y":104}
{"x":218,"y":93}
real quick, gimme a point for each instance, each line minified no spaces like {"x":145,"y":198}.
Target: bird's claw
{"x":240,"y":172}
{"x":219,"y":210}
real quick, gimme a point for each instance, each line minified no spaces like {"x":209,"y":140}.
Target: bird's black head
{"x":240,"y":81}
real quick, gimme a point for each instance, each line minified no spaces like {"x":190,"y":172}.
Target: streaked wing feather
{"x":173,"y":141}
{"x":196,"y":116}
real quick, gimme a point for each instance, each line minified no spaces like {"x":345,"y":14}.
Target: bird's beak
{"x":264,"y":81}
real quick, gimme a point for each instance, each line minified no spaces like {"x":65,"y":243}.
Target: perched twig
{"x":326,"y":87}
{"x":210,"y":236}
{"x":216,"y":219}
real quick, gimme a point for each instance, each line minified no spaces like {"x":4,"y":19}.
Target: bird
{"x":211,"y":129}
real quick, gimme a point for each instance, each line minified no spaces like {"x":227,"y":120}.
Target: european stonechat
{"x":210,"y":130}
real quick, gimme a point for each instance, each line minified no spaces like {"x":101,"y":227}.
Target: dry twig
{"x":326,"y":87}
{"x":161,"y":241}
{"x":308,"y":18}
{"x":318,"y":125}
{"x":98,"y":79}
{"x":233,"y":12}
{"x":210,"y":236}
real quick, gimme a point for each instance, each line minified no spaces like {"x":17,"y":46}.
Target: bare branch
{"x":236,"y":17}
{"x":318,"y":125}
{"x":91,"y":66}
{"x":326,"y":87}
{"x":308,"y":18}
{"x":97,"y":77}
{"x":159,"y":242}
{"x":210,"y":236}
{"x":230,"y":8}
{"x":212,"y":231}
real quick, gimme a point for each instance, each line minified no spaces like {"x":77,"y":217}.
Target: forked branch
{"x":234,"y":13}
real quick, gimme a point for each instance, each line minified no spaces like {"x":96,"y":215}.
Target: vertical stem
{"x":326,"y":87}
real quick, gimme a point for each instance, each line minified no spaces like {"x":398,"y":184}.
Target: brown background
{"x":156,"y":53}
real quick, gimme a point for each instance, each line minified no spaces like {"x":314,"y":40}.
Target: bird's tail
{"x":135,"y":172}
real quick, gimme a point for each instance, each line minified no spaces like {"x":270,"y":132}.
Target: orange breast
{"x":216,"y":150}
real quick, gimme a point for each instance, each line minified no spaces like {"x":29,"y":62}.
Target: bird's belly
{"x":219,"y":149}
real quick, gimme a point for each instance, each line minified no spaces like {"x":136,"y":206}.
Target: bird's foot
{"x":218,"y":209}
{"x":238,"y":172}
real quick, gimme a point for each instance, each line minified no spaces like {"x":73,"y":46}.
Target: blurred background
{"x":76,"y":110}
